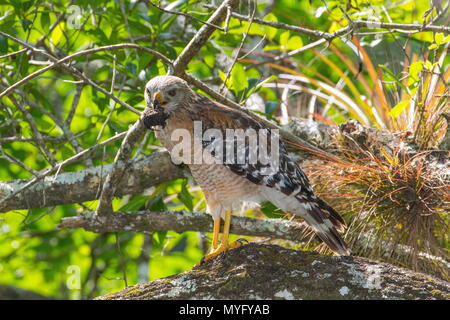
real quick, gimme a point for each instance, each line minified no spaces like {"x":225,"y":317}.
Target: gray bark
{"x":256,"y":271}
{"x":84,"y":185}
{"x":181,"y":221}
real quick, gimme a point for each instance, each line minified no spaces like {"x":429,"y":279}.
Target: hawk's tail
{"x":326,"y":223}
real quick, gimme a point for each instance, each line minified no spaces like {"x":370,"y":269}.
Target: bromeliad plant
{"x":400,"y":189}
{"x":397,"y":190}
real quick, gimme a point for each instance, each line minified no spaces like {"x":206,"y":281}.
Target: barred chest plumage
{"x":223,"y":189}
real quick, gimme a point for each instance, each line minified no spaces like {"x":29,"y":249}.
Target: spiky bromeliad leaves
{"x":398,"y":195}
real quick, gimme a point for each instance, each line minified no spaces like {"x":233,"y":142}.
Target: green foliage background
{"x":34,"y":253}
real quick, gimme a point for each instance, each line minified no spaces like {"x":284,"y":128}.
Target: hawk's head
{"x":167,"y":92}
{"x":164,"y":94}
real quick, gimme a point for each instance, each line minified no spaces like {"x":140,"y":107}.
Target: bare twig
{"x":120,"y":164}
{"x":75,"y":101}
{"x":75,"y":72}
{"x":238,"y":52}
{"x":53,"y":139}
{"x":41,"y":143}
{"x":12,"y":159}
{"x":188,"y":16}
{"x":181,"y":221}
{"x":356,"y":24}
{"x":70,"y":136}
{"x":12,"y":54}
{"x":201,"y":37}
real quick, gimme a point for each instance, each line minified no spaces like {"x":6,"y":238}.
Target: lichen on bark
{"x":258,"y":271}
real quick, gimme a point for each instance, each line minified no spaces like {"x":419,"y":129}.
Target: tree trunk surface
{"x":259,"y":271}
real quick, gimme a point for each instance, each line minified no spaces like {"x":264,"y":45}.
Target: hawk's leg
{"x":215,"y":240}
{"x":224,"y":244}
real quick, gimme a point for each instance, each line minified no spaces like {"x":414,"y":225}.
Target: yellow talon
{"x":224,"y":244}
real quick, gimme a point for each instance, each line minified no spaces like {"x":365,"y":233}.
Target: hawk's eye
{"x":172,"y":92}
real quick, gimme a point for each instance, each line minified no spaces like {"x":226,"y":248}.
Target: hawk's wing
{"x":287,"y":177}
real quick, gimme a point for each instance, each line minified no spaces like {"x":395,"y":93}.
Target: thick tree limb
{"x":84,"y":185}
{"x":9,"y":190}
{"x":182,"y":221}
{"x":256,"y":271}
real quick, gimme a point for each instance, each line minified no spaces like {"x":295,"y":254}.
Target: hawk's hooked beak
{"x":155,"y":116}
{"x":158,"y":101}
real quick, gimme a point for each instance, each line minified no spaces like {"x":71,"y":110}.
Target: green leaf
{"x":23,"y":64}
{"x":26,"y":5}
{"x":392,"y":76}
{"x":157,"y":204}
{"x":131,"y":67}
{"x":185,"y":196}
{"x":238,"y":78}
{"x":270,"y":32}
{"x":253,"y":88}
{"x":3,"y":45}
{"x":284,"y":38}
{"x":45,"y":21}
{"x":25,"y":24}
{"x":144,"y":60}
{"x":135,"y":203}
{"x":415,"y":68}
{"x":135,"y":99}
{"x":399,"y":108}
{"x":160,"y":237}
{"x":429,"y":65}
{"x":270,"y":210}
{"x":294,"y":43}
{"x":438,"y":38}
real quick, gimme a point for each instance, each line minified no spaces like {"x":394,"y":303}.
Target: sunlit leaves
{"x":399,"y":108}
{"x":185,"y":196}
{"x":288,"y":42}
{"x":414,"y":69}
{"x":237,"y":81}
{"x":439,"y":39}
{"x":238,"y":78}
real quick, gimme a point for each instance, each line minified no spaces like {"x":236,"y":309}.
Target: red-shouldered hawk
{"x":228,"y":166}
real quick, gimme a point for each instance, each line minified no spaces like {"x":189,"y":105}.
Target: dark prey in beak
{"x":154,"y":117}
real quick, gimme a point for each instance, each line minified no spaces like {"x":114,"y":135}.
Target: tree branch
{"x":355,"y":24}
{"x":9,"y":190}
{"x":181,"y":221}
{"x":272,"y":272}
{"x":84,"y":185}
{"x":202,"y":36}
{"x":121,"y":162}
{"x":75,"y":72}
